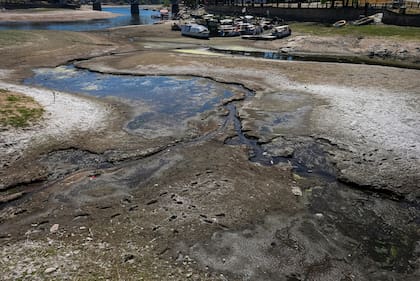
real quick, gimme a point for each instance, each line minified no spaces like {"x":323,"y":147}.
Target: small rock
{"x":50,"y":270}
{"x":129,"y":258}
{"x":189,"y":274}
{"x":54,"y":228}
{"x":319,"y":215}
{"x":151,"y":202}
{"x":296,"y":190}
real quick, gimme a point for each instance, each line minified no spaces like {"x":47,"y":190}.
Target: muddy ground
{"x":311,"y":176}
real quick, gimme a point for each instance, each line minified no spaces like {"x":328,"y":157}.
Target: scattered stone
{"x":54,"y":228}
{"x":319,"y":215}
{"x":129,"y":258}
{"x":297,"y":191}
{"x":50,"y":270}
{"x":133,"y":208}
{"x":151,"y":202}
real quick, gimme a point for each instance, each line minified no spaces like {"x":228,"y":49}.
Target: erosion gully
{"x":351,"y":210}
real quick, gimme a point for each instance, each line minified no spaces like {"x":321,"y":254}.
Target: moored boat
{"x":228,"y":31}
{"x":363,"y":21}
{"x":340,"y":23}
{"x":195,"y":30}
{"x":281,"y":31}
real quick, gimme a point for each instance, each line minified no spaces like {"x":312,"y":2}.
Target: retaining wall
{"x":400,"y":19}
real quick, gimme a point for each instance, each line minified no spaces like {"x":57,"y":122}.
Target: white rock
{"x":296,"y":190}
{"x":50,"y":270}
{"x":54,"y":228}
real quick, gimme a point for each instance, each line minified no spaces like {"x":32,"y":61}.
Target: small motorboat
{"x":226,"y":22}
{"x":281,"y":31}
{"x":363,"y":21}
{"x":195,"y":30}
{"x":228,"y":31}
{"x":340,"y":23}
{"x":246,"y":28}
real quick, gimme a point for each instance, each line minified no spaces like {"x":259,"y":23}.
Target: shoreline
{"x":53,"y":15}
{"x":64,"y":114}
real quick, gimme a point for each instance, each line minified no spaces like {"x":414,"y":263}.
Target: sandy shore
{"x":59,"y":15}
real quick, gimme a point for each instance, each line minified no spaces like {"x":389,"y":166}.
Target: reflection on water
{"x":162,"y":103}
{"x":124,"y":19}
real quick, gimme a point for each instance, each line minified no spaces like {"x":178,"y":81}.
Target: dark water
{"x":124,"y":19}
{"x":162,"y":102}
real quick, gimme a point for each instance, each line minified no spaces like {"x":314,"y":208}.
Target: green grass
{"x":19,"y":120}
{"x":13,"y":98}
{"x":372,"y":30}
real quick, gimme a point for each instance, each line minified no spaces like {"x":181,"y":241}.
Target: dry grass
{"x":17,"y":110}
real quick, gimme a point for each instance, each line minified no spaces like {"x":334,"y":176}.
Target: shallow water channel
{"x":162,"y":104}
{"x":124,"y":18}
{"x":379,"y":232}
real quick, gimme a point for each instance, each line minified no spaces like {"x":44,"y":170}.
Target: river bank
{"x":336,"y":199}
{"x":54,"y":15}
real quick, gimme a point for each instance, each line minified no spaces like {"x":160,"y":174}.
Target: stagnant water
{"x":163,"y":103}
{"x":124,"y":18}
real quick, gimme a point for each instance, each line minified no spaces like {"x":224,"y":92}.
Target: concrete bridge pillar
{"x":134,"y":5}
{"x":96,"y":5}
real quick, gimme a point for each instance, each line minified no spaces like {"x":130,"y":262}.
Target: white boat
{"x":340,"y":23}
{"x":246,"y":28}
{"x":195,"y":30}
{"x":228,"y":31}
{"x":281,"y":31}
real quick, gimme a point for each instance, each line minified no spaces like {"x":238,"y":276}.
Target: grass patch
{"x":17,"y":110}
{"x":364,"y":30}
{"x":14,"y":37}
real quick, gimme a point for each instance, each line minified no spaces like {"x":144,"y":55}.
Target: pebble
{"x":50,"y":270}
{"x":54,"y":228}
{"x":296,"y":190}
